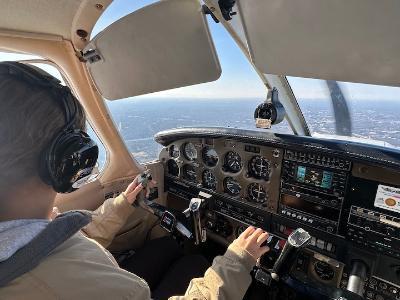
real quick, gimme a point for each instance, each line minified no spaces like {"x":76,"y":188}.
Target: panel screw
{"x":99,"y":6}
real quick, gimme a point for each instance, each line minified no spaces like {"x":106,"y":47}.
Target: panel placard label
{"x":388,"y":197}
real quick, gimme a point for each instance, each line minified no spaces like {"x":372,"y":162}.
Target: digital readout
{"x":315,"y":177}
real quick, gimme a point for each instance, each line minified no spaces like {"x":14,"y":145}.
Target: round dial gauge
{"x":231,"y":186}
{"x":189,"y":172}
{"x":233,"y":162}
{"x":174,"y":151}
{"x":190,"y":151}
{"x":173,"y":168}
{"x":210,"y":157}
{"x":256,"y":193}
{"x":209,"y":180}
{"x":259,"y":167}
{"x":324,"y":270}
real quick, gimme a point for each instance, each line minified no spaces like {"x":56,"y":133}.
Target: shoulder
{"x":79,"y":268}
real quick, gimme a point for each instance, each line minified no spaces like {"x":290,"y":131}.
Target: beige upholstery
{"x":57,"y":17}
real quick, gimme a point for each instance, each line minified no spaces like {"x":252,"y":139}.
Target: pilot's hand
{"x":133,"y":189}
{"x":251,"y":240}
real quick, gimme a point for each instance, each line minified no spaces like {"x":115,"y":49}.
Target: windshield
{"x":228,"y":102}
{"x":373,"y":110}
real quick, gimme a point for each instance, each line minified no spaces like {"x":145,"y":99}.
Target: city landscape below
{"x":139,"y":119}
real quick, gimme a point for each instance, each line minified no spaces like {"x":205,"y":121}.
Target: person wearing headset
{"x":44,"y":151}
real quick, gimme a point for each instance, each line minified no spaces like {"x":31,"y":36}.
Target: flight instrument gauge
{"x":173,"y":168}
{"x":233,"y":162}
{"x":174,"y":151}
{"x":259,"y":167}
{"x":189,"y":172}
{"x":210,"y":156}
{"x":231,"y":186}
{"x":209,"y":180}
{"x":190,"y":151}
{"x":256,"y":193}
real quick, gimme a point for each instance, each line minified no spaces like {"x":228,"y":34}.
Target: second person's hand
{"x":251,"y":240}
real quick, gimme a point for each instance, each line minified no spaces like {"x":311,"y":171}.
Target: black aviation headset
{"x":68,"y":161}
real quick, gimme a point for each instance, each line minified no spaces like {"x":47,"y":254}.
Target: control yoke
{"x":296,"y":240}
{"x":168,"y":220}
{"x":194,"y":213}
{"x":357,"y":277}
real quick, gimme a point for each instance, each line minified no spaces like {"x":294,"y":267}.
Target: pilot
{"x":41,"y":126}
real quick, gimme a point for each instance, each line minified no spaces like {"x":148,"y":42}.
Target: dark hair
{"x":30,"y":117}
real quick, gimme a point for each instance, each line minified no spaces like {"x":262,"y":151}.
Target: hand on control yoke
{"x":251,"y":240}
{"x":135,"y":187}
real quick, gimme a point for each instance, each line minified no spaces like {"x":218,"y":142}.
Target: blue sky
{"x":238,"y":79}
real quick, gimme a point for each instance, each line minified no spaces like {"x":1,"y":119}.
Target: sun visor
{"x":345,"y":40}
{"x":162,"y":46}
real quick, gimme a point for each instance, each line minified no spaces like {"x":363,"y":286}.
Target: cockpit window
{"x":372,"y":110}
{"x":228,"y":102}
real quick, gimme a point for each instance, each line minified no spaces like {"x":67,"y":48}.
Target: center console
{"x":313,"y":187}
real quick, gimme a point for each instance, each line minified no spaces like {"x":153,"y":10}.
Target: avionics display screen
{"x":310,"y":207}
{"x":314,"y":177}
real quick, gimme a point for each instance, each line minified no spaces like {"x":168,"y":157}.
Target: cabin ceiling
{"x":52,"y":17}
{"x":344,"y":40}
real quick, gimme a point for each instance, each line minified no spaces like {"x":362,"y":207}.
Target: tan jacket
{"x":81,"y":268}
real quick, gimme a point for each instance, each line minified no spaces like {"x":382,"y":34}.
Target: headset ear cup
{"x":71,"y":155}
{"x":44,"y":171}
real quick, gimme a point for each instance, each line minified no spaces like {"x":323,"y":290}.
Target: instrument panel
{"x":349,"y":206}
{"x":244,"y":172}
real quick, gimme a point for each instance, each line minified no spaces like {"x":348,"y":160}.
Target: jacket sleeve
{"x":227,"y":279}
{"x":108,"y":220}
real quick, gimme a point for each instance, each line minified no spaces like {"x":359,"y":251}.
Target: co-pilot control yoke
{"x":194,"y":213}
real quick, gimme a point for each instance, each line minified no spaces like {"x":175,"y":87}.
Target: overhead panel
{"x":346,"y":40}
{"x":162,"y":46}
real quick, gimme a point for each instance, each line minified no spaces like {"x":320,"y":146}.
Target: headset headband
{"x":38,"y":77}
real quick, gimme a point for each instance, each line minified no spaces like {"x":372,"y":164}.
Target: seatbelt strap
{"x":56,"y":233}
